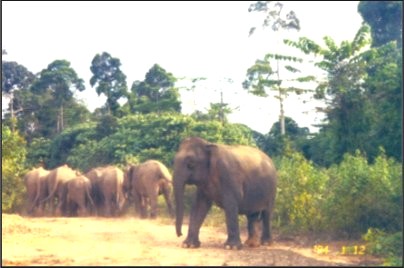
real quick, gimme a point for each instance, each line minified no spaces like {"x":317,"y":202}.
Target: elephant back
{"x":42,"y":173}
{"x":57,"y":177}
{"x":156,"y":169}
{"x":31,"y":180}
{"x":114,"y":177}
{"x":28,"y":176}
{"x":77,"y":183}
{"x":62,"y":173}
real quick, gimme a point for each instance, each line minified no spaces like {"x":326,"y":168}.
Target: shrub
{"x":12,"y":169}
{"x":301,"y":192}
{"x":385,"y":245}
{"x":364,"y":196}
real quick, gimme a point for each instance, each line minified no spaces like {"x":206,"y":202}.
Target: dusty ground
{"x":131,"y":241}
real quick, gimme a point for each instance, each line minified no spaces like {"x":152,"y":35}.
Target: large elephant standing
{"x":107,"y":189}
{"x":55,"y":181}
{"x":78,"y":197}
{"x":35,"y":183}
{"x":144,"y":183}
{"x":239,"y":179}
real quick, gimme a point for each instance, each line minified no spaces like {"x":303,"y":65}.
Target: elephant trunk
{"x":179,"y":187}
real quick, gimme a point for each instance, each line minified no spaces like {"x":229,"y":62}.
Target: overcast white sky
{"x":188,"y":39}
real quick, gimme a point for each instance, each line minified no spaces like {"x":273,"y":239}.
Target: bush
{"x":301,"y":192}
{"x":12,"y":169}
{"x":385,"y":245}
{"x":364,"y":196}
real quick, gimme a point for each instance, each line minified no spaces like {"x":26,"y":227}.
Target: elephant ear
{"x":210,"y":148}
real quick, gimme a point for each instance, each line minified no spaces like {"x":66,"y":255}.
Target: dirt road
{"x":131,"y":241}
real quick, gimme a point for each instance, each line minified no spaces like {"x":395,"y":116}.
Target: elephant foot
{"x":236,"y":247}
{"x":266,"y":242}
{"x":252,"y":242}
{"x":191,"y":244}
{"x":233,"y":245}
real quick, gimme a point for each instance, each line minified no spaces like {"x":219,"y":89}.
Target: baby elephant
{"x":144,"y":183}
{"x":78,"y":196}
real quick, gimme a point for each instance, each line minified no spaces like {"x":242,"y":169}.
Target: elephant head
{"x":191,"y":166}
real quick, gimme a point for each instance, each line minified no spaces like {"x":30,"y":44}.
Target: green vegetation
{"x":12,"y":170}
{"x":345,"y":180}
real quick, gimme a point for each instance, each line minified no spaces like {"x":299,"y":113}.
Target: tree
{"x":58,"y":79}
{"x":217,"y":111}
{"x":275,"y":143}
{"x":109,"y":80}
{"x":349,"y":111}
{"x":259,"y":76}
{"x":385,"y":19}
{"x":14,"y":77}
{"x":383,"y":86}
{"x":134,"y":138}
{"x":157,"y":93}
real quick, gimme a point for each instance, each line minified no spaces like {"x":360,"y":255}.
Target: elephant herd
{"x":102,"y":191}
{"x":238,"y":179}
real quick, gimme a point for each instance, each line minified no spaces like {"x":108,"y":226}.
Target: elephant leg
{"x":233,"y":232}
{"x":252,"y":225}
{"x":137,"y":200}
{"x":107,"y":207}
{"x":52,"y":206}
{"x":79,"y":207}
{"x":199,"y":210}
{"x":166,"y":193}
{"x":153,"y":204}
{"x":81,"y":210}
{"x":266,"y":237}
{"x":143,"y":206}
{"x":41,"y":208}
{"x":58,"y":211}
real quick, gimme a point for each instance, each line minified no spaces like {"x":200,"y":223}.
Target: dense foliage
{"x":12,"y":169}
{"x":345,"y":180}
{"x":136,"y":138}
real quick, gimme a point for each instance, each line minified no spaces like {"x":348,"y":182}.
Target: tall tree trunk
{"x":12,"y":110}
{"x":61,"y":118}
{"x":282,"y":112}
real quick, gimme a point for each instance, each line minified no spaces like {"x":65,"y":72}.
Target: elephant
{"x":239,"y":179}
{"x":78,"y":196}
{"x":35,"y":183}
{"x":144,"y":183}
{"x":107,"y":192}
{"x":55,"y":182}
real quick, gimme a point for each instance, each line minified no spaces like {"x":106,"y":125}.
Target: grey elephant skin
{"x":239,"y":179}
{"x":78,"y":197}
{"x":107,"y":192}
{"x":55,"y":182}
{"x":35,"y":183}
{"x":143,"y":184}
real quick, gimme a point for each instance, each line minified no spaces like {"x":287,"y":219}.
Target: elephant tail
{"x":51,"y":194}
{"x":120,"y":197}
{"x":130,"y":172}
{"x":88,"y":193}
{"x":36,"y":199}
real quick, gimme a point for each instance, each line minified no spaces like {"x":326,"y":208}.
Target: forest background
{"x":343,"y":180}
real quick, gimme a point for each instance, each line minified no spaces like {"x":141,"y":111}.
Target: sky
{"x":188,"y":39}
